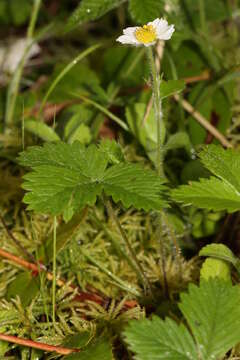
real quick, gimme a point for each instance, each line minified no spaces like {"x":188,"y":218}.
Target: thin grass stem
{"x":138,"y":266}
{"x":54,"y":270}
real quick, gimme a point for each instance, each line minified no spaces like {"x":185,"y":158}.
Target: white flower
{"x":148,"y":34}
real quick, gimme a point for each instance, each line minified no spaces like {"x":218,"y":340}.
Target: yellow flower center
{"x":146,"y":34}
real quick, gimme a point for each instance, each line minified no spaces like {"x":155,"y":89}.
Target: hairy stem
{"x":157,"y":110}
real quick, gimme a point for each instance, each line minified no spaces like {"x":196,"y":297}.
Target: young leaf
{"x":112,"y":150}
{"x":171,"y":87}
{"x":221,"y":251}
{"x":218,"y":193}
{"x":90,"y":10}
{"x":82,"y":134}
{"x":160,"y":340}
{"x":42,"y":130}
{"x":134,"y":186}
{"x":212,"y":268}
{"x":145,"y":10}
{"x":213,"y":314}
{"x":218,"y":251}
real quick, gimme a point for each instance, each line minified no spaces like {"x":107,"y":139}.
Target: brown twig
{"x":80,"y":296}
{"x":203,"y":121}
{"x":35,"y":268}
{"x":37,"y":345}
{"x":205,"y":75}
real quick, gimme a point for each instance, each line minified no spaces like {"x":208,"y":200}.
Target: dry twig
{"x":37,"y":345}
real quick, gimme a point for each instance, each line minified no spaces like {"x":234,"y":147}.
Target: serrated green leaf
{"x":212,"y":268}
{"x":218,"y":193}
{"x":225,"y":164}
{"x":145,"y":10}
{"x":133,"y":186}
{"x":160,"y":340}
{"x":213,"y":315}
{"x":99,"y":350}
{"x":90,"y":10}
{"x":66,"y":177}
{"x":42,"y":130}
{"x":171,"y":87}
{"x":208,"y":194}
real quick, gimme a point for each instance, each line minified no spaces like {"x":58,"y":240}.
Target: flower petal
{"x":166,"y":34}
{"x":156,"y":22}
{"x":163,"y":30}
{"x":130,"y":30}
{"x":127,"y":39}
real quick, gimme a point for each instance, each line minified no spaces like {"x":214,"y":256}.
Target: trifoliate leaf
{"x":66,"y":177}
{"x":160,"y":340}
{"x":213,"y":315}
{"x":212,"y":268}
{"x":134,"y":186}
{"x":145,"y":10}
{"x":218,"y":193}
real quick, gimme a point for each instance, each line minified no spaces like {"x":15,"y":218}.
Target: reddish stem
{"x":37,"y":345}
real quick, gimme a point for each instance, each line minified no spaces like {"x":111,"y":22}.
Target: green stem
{"x":66,"y":69}
{"x":15,"y":81}
{"x":138,"y":266}
{"x":54,"y":269}
{"x":202,"y":16}
{"x":33,"y":20}
{"x":103,"y":110}
{"x":157,"y":110}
